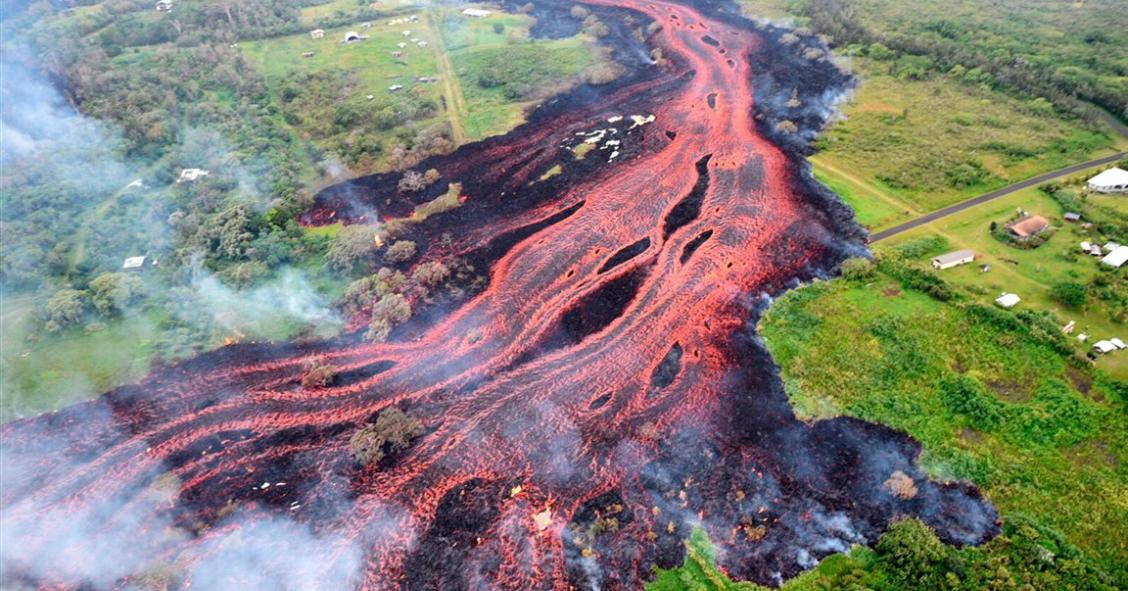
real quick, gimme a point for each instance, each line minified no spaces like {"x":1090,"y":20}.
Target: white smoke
{"x":289,"y":296}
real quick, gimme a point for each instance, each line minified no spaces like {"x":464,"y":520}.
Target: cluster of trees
{"x":392,"y":432}
{"x":107,"y":295}
{"x":1007,"y":56}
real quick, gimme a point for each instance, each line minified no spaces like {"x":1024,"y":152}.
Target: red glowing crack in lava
{"x":662,"y":414}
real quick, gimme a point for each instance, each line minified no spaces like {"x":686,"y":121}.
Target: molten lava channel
{"x":606,"y":379}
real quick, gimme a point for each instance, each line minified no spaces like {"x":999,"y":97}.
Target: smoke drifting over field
{"x":601,"y":398}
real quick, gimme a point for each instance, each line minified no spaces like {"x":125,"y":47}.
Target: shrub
{"x":392,"y":432}
{"x":910,"y":552}
{"x":966,"y":397}
{"x":400,"y":251}
{"x":1069,"y":294}
{"x":351,"y":249}
{"x":112,"y":293}
{"x":66,"y":308}
{"x":389,"y":311}
{"x":319,"y":374}
{"x":857,"y":268}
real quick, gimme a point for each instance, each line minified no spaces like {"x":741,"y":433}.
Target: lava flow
{"x":599,"y":399}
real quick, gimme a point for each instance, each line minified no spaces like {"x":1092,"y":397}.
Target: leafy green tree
{"x":909,"y":553}
{"x":1069,"y":294}
{"x":66,"y":308}
{"x":857,"y":268}
{"x":392,"y":309}
{"x":400,"y":251}
{"x":352,"y":249}
{"x":112,"y":293}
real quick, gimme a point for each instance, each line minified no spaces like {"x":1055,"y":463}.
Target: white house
{"x":190,"y":174}
{"x":953,"y":259}
{"x":1104,"y":347}
{"x":476,"y":12}
{"x":1113,"y":180}
{"x":1118,"y":343}
{"x":1116,"y":258}
{"x":1008,"y":300}
{"x":317,"y":33}
{"x":133,"y":264}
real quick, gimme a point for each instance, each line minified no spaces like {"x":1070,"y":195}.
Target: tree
{"x":412,"y":182}
{"x":857,"y":268}
{"x":910,"y":552}
{"x":400,"y":251}
{"x":351,"y":249}
{"x":66,"y":308}
{"x":595,"y":27}
{"x":1069,"y":294}
{"x":430,"y":274}
{"x":498,"y":28}
{"x":579,"y":12}
{"x":391,"y":310}
{"x":112,"y":293}
{"x":431,"y":176}
{"x":392,"y":432}
{"x":319,"y":374}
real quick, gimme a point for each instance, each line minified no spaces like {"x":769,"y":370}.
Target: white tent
{"x":1116,"y":258}
{"x":1113,"y":180}
{"x":1008,"y":300}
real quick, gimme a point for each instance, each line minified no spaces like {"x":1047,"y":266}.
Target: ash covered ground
{"x":601,"y":396}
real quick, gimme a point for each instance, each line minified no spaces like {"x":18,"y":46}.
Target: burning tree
{"x":393,"y":432}
{"x":319,"y":375}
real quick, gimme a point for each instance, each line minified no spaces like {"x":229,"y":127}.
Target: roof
{"x":1028,"y":226}
{"x":476,"y":12}
{"x":954,"y":257}
{"x":1117,"y":257}
{"x":133,"y":263}
{"x":1007,"y":300}
{"x":1110,"y":178}
{"x":1118,"y":343}
{"x":1072,"y":216}
{"x":1104,"y":346}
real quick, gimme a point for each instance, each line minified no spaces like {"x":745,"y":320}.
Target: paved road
{"x":947,"y":211}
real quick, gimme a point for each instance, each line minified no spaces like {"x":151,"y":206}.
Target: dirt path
{"x":452,"y":89}
{"x":1030,"y":182}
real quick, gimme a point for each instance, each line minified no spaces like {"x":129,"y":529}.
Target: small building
{"x":1095,"y":250}
{"x":136,"y":184}
{"x":953,"y":259}
{"x":134,"y":263}
{"x":317,"y":34}
{"x":395,"y":87}
{"x":476,"y":12}
{"x":366,"y":25}
{"x":422,"y":44}
{"x":307,"y":54}
{"x":1008,"y":300}
{"x":1116,"y":258}
{"x":1113,"y":180}
{"x":1119,"y":344}
{"x":164,"y":5}
{"x":1028,"y":226}
{"x":1068,"y":328}
{"x":352,"y":36}
{"x":406,"y":33}
{"x":189,"y":175}
{"x":401,"y":45}
{"x":1110,"y":246}
{"x":397,"y":54}
{"x":1103,"y":347}
{"x":1072,"y":216}
{"x":1086,"y":246}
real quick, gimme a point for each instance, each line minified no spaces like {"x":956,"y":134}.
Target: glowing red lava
{"x":599,"y":399}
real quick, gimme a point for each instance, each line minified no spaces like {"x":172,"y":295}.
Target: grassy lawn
{"x":1028,"y":273}
{"x":910,"y":147}
{"x":989,"y":398}
{"x":56,"y":370}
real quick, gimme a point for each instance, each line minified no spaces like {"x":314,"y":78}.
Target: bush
{"x":1069,"y":294}
{"x":857,"y":268}
{"x":400,"y":251}
{"x":112,"y":293}
{"x":319,"y":374}
{"x":392,"y":432}
{"x":351,"y":249}
{"x":966,"y":397}
{"x":66,"y":308}
{"x":389,"y":311}
{"x":910,"y":553}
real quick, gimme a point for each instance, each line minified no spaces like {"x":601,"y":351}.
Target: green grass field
{"x":1050,"y":443}
{"x":895,"y":154}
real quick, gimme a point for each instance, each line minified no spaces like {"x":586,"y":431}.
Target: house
{"x":1008,"y":300}
{"x":317,"y":34}
{"x":422,"y":44}
{"x":952,"y":259}
{"x":395,"y":87}
{"x":134,"y":264}
{"x":406,"y":33}
{"x":354,"y":36}
{"x":1118,"y":343}
{"x":401,"y":45}
{"x":136,"y":184}
{"x":1110,"y":246}
{"x":164,"y":5}
{"x":397,"y":54}
{"x":1086,"y":247}
{"x":1068,"y":328}
{"x":1113,"y":180}
{"x":1116,"y":258}
{"x":307,"y":54}
{"x":1028,"y":226}
{"x":1103,"y":347}
{"x":1095,"y":250}
{"x":476,"y":12}
{"x":1072,"y":216}
{"x":191,"y":174}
